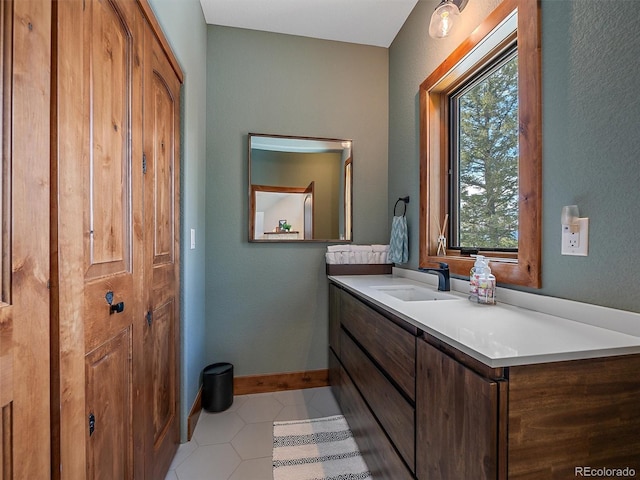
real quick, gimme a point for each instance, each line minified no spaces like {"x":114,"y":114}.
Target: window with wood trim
{"x":459,"y":201}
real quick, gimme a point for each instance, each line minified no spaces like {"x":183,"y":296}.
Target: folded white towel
{"x":358,"y":257}
{"x":361,"y":248}
{"x":380,"y":248}
{"x":339,"y":248}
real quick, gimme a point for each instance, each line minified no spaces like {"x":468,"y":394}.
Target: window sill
{"x":507,"y":271}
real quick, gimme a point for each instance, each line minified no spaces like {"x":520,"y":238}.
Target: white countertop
{"x":505,"y":335}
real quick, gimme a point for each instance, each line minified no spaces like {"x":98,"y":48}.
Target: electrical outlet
{"x":573,"y":239}
{"x":576,"y":243}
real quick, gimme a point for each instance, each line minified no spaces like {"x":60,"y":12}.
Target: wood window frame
{"x":491,"y":36}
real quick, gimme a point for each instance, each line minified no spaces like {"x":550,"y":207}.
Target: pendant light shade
{"x":443,"y":19}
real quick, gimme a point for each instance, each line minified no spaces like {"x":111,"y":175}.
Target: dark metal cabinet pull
{"x":117,"y":308}
{"x":92,"y":423}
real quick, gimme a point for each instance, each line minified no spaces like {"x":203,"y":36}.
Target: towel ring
{"x":401,"y":199}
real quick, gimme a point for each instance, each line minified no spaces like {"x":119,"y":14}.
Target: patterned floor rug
{"x":317,"y":449}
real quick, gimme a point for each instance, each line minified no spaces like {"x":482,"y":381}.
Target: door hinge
{"x":92,"y":423}
{"x":144,"y":163}
{"x":149,"y":317}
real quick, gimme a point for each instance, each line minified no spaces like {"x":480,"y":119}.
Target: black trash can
{"x":217,"y":387}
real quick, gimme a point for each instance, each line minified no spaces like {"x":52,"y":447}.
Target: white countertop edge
{"x":622,"y":321}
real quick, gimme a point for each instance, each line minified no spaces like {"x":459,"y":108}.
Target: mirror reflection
{"x":299,"y":188}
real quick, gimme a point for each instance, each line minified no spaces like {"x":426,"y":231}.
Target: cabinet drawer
{"x":392,"y":410}
{"x":393,"y":348}
{"x":376,"y":449}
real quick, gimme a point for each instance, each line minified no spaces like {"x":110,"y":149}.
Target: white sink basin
{"x":411,"y":293}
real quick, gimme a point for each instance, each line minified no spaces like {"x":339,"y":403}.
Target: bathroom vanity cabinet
{"x":420,"y":408}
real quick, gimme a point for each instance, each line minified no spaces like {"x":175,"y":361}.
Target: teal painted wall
{"x":591,"y":145}
{"x":267,"y":303}
{"x":184,"y":26}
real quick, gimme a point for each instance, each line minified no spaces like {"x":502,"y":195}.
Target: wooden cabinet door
{"x":100,"y":237}
{"x":457,"y":419}
{"x":161,"y":194}
{"x":25,"y":48}
{"x":112,"y":217}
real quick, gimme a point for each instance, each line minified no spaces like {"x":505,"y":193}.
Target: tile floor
{"x":237,"y":444}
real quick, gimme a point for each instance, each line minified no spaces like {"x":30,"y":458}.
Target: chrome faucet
{"x":443,"y":276}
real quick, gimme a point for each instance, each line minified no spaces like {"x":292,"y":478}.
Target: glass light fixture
{"x":443,"y":19}
{"x":570,"y":218}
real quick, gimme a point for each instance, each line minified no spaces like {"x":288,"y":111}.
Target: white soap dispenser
{"x":476,"y":270}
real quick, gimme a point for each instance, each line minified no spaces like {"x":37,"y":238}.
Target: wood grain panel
{"x":109,"y":400}
{"x":6,"y":441}
{"x":161,"y":370}
{"x":161,"y":126}
{"x":6,"y":360}
{"x":160,"y":37}
{"x":98,"y":234}
{"x":457,"y":414}
{"x":6,"y":85}
{"x":163,"y":162}
{"x":395,"y":355}
{"x":109,"y":186}
{"x":68,"y":361}
{"x":378,"y":452}
{"x":25,"y":224}
{"x":6,"y":317}
{"x":392,"y":410}
{"x":570,"y":414}
{"x":100,"y":322}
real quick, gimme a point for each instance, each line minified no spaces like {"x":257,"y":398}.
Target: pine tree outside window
{"x":483,"y":162}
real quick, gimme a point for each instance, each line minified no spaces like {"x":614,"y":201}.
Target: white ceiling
{"x":368,"y":22}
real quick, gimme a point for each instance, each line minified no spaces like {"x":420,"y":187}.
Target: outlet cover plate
{"x":576,"y":243}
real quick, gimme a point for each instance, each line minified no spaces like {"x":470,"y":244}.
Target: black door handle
{"x":117,"y":308}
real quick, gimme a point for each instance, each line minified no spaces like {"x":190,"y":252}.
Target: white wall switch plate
{"x":576,"y":243}
{"x":193,"y":239}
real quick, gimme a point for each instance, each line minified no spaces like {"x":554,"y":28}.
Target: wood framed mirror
{"x":300,"y":189}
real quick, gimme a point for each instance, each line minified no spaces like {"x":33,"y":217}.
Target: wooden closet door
{"x":162,"y":248}
{"x":100,"y":238}
{"x":25,"y":55}
{"x":112,"y":211}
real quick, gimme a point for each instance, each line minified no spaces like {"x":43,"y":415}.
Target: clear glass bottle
{"x":487,"y":287}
